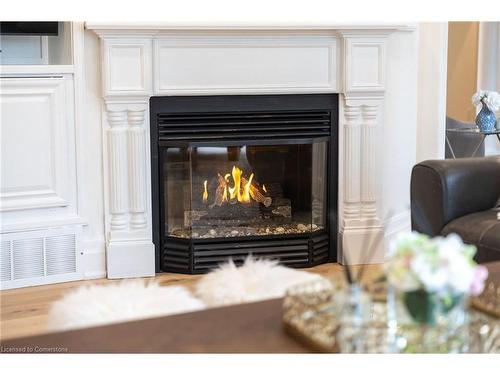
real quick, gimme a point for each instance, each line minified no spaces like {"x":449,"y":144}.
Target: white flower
{"x":461,"y":274}
{"x":448,"y":247}
{"x":434,"y":279}
{"x":457,"y":260}
{"x":403,"y":241}
{"x":443,"y":264}
{"x":478,"y":96}
{"x":399,"y":275}
{"x":490,"y":98}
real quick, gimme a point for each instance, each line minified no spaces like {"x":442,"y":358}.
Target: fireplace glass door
{"x":243,"y":190}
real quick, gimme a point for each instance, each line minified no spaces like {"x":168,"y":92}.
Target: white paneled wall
{"x":47,"y":233}
{"x":41,"y":228}
{"x":38,"y":160}
{"x":268,"y":64}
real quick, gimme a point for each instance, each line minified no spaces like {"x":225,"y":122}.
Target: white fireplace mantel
{"x":140,"y":61}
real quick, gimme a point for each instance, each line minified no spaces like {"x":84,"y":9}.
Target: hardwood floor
{"x":24,"y":311}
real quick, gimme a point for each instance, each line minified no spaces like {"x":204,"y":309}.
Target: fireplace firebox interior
{"x":240,"y":175}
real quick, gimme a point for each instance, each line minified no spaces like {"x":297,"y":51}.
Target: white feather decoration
{"x":112,"y":303}
{"x":257,"y":279}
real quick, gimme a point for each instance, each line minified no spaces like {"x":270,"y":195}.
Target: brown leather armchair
{"x":459,"y":196}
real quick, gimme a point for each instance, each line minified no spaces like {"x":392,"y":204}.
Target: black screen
{"x":28,"y":28}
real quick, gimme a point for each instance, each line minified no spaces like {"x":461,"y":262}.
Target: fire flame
{"x":242,"y":190}
{"x":246,"y":189}
{"x":205,"y":192}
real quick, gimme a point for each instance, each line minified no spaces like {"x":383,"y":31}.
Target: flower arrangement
{"x":442,"y":265}
{"x":433,"y":274}
{"x":489,"y":98}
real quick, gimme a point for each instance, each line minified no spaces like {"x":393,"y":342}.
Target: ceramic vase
{"x":486,"y":119}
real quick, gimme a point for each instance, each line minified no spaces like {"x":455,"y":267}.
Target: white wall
{"x":399,"y":131}
{"x":59,"y":46}
{"x":432,"y":75}
{"x":488,"y":69}
{"x":414,"y":128}
{"x":92,"y":208}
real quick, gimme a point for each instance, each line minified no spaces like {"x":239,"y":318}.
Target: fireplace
{"x":239,"y":175}
{"x":368,"y":68}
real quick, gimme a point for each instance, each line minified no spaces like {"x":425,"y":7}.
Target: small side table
{"x":472,"y":130}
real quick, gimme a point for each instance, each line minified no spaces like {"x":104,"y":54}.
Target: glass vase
{"x":354,"y":316}
{"x":424,"y":322}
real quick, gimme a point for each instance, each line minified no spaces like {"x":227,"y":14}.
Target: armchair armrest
{"x":443,"y":190}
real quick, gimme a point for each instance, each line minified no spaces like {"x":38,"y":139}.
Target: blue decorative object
{"x":486,"y":119}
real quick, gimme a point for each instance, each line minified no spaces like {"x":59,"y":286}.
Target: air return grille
{"x":60,"y":254}
{"x":243,"y":125}
{"x":6,"y":259}
{"x":40,"y":257}
{"x":28,"y":258}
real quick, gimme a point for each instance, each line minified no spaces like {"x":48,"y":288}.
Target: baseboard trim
{"x":396,"y":225}
{"x":91,"y":275}
{"x":356,"y":243}
{"x":94,"y":259}
{"x":126,"y":259}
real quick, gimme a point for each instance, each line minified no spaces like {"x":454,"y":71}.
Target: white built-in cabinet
{"x":38,"y":157}
{"x":41,"y":231}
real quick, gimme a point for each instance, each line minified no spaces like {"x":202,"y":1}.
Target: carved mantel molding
{"x":139,"y":62}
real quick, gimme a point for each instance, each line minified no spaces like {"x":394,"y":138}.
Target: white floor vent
{"x":40,"y":257}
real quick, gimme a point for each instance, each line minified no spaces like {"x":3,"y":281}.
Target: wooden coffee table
{"x":246,"y":328}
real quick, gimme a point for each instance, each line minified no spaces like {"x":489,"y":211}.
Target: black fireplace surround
{"x":244,"y":174}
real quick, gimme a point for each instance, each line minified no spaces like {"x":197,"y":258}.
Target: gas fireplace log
{"x":256,"y":194}
{"x":242,"y":211}
{"x":282,"y":207}
{"x":274,"y":189}
{"x":193,"y":216}
{"x":224,"y":215}
{"x":220,"y":192}
{"x":279,"y":211}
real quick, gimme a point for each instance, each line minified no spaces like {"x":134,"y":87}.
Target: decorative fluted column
{"x":137,"y":174}
{"x":369,"y":162}
{"x":130,"y":251}
{"x":127,"y":72}
{"x":360,"y":223}
{"x":352,"y":166}
{"x":361,"y":102}
{"x":117,"y":165}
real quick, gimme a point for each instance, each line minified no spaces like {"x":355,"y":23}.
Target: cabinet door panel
{"x":37,"y":140}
